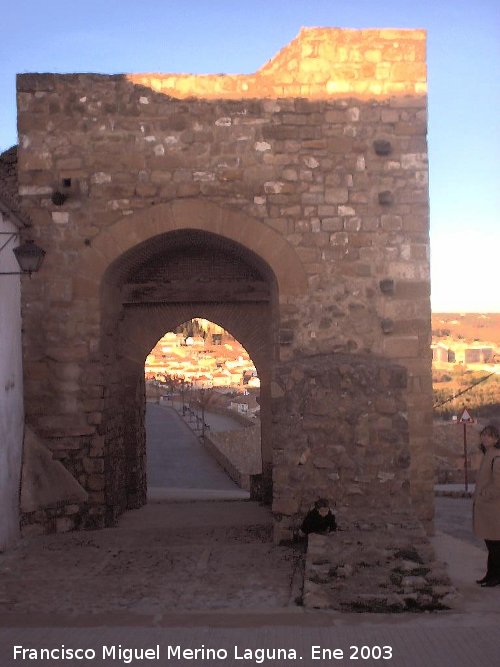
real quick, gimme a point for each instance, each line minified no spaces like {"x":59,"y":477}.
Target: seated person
{"x":320,"y":519}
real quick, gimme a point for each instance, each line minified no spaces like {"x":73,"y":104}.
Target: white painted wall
{"x":11,"y":390}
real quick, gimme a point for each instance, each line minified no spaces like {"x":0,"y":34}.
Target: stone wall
{"x":340,"y":432}
{"x":310,"y":175}
{"x":379,"y":562}
{"x":238,"y":452}
{"x":51,"y":499}
{"x":448,"y":442}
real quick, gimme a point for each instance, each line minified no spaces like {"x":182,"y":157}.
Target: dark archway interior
{"x":168,"y":256}
{"x":154,"y":288}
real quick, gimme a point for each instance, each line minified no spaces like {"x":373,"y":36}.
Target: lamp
{"x":29,"y":256}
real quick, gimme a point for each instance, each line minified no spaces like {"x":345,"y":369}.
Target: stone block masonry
{"x":381,"y":563}
{"x":238,"y":452}
{"x":340,"y":431}
{"x":290,"y":206}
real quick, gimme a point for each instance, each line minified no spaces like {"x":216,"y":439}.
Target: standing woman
{"x":486,"y":508}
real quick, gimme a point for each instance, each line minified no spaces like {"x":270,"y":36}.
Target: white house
{"x":247,"y":403}
{"x":30,"y":478}
{"x":11,"y":371}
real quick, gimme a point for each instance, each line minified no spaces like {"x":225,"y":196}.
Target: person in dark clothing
{"x":320,"y":519}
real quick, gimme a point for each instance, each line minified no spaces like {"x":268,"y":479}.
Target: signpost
{"x":465,"y":418}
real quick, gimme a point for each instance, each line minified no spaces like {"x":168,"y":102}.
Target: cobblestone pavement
{"x":163,"y":557}
{"x":206,"y":574}
{"x":194,"y":575}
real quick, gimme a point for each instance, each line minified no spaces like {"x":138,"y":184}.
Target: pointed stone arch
{"x":133,"y":270}
{"x":132,"y":230}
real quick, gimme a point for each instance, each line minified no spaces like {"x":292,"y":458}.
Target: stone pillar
{"x":339,"y":432}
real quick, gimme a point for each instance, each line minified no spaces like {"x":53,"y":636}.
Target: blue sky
{"x":215,"y":36}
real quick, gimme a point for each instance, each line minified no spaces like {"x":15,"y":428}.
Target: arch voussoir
{"x":254,"y":235}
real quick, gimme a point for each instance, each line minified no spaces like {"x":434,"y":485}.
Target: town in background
{"x":199,"y":356}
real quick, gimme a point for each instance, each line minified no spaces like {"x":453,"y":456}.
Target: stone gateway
{"x":290,"y":206}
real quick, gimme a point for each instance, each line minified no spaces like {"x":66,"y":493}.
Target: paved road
{"x":178,"y":466}
{"x":216,"y":422}
{"x":454,"y":517}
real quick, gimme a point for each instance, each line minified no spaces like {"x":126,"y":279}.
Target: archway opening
{"x":152,"y":289}
{"x":201,"y":377}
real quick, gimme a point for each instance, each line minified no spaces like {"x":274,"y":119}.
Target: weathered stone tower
{"x":289,"y":206}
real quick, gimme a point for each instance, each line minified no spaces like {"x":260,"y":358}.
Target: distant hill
{"x":453,"y":330}
{"x":470,"y":327}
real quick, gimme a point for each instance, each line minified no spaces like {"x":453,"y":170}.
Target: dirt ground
{"x":471,"y":326}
